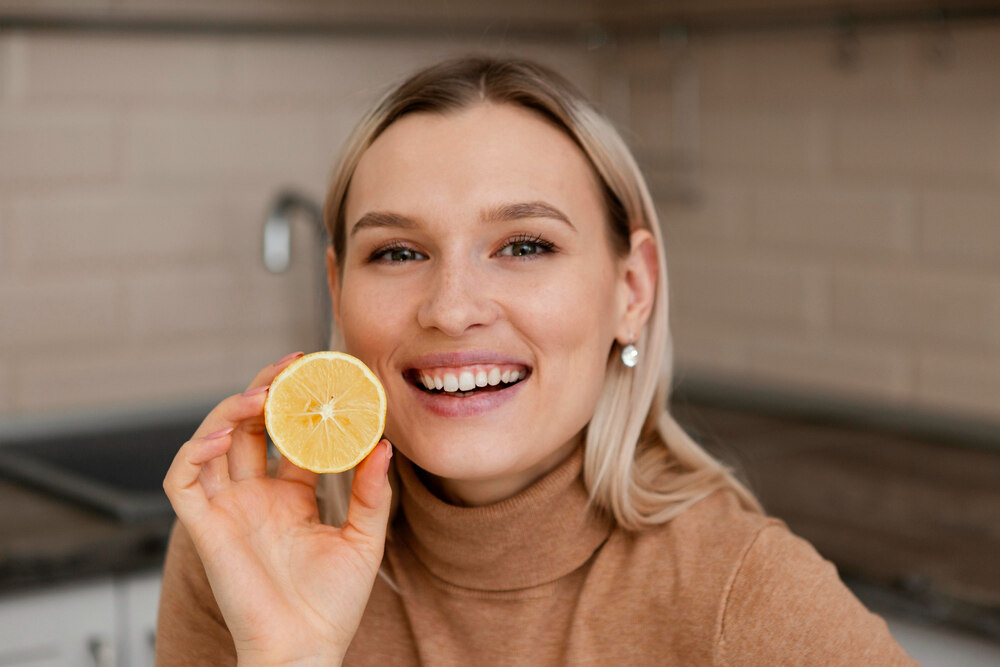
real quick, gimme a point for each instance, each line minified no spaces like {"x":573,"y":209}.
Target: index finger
{"x":248,"y":456}
{"x":268,"y":373}
{"x":246,"y":408}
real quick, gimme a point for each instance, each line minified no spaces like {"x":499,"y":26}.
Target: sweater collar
{"x":535,"y":537}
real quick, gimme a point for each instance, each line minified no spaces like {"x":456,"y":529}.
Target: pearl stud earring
{"x":630,"y":355}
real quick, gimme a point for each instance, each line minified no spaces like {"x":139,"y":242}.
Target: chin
{"x":484,"y":460}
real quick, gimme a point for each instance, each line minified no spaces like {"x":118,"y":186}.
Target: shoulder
{"x":674,"y":577}
{"x":736,"y":585}
{"x":785,"y":602}
{"x":703,"y":545}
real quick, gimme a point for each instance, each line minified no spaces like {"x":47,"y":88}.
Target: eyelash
{"x":525,"y":239}
{"x":546,"y":247}
{"x":379,"y":253}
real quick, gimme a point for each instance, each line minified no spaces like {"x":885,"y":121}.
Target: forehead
{"x":480,"y":155}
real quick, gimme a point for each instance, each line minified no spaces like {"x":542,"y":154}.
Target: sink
{"x":117,"y":471}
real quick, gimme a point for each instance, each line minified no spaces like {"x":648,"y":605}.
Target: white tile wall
{"x":135,"y":177}
{"x":102,"y":231}
{"x":855,"y":369}
{"x":829,"y":222}
{"x":919,"y":305}
{"x":967,"y":73}
{"x":708,"y":348}
{"x":925,"y":144}
{"x":60,"y":312}
{"x":6,"y":233}
{"x":961,"y":228}
{"x":797,"y":68}
{"x":846,"y":238}
{"x":56,"y":147}
{"x":963,"y":381}
{"x":746,"y":289}
{"x":102,"y":69}
{"x":184,"y":300}
{"x":756,"y":143}
{"x":200,"y":149}
{"x":140,"y":373}
{"x":721,"y":216}
{"x":6,"y":390}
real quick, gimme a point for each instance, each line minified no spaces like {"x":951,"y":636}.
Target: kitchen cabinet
{"x":138,"y":598}
{"x":68,"y":626}
{"x":103,"y":622}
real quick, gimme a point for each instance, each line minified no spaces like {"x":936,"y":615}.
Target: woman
{"x":496,"y":260}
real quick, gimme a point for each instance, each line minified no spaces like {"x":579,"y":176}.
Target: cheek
{"x":370,"y":322}
{"x":571,"y":326}
{"x":574,"y":317}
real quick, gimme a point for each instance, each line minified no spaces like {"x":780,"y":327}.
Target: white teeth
{"x":470,"y":380}
{"x":466,"y":381}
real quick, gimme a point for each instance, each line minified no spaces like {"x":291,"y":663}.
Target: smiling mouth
{"x":467,"y":380}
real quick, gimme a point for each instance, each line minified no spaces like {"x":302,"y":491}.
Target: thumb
{"x":371,"y":497}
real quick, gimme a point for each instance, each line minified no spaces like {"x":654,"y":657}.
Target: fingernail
{"x":256,"y":390}
{"x":219,"y":434}
{"x":388,"y":456}
{"x":288,"y":357}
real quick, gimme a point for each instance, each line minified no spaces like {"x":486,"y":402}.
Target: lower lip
{"x":443,"y":405}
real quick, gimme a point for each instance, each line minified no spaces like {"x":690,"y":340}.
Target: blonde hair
{"x":640,"y":466}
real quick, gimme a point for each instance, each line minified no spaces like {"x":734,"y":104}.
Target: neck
{"x":480,"y":492}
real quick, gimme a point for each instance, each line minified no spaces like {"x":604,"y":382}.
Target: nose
{"x":457,"y":300}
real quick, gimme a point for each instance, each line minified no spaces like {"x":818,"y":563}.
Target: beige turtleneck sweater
{"x":538,"y":579}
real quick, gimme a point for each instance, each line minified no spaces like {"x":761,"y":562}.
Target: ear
{"x":639,"y":282}
{"x":333,"y":280}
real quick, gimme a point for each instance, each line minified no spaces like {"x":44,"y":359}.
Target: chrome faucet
{"x":277,"y":246}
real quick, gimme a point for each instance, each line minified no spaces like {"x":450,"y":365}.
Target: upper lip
{"x":463,"y":358}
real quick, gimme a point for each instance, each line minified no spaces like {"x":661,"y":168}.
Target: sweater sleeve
{"x":786,"y":605}
{"x":190,"y":628}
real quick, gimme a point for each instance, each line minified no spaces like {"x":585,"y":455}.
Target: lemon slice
{"x":325,"y":412}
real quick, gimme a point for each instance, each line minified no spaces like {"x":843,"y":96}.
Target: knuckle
{"x":254,"y":427}
{"x":231,"y":402}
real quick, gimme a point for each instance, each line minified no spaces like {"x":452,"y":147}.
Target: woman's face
{"x":478,"y":262}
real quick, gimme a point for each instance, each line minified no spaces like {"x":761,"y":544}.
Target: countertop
{"x":45,"y":540}
{"x":912,"y":525}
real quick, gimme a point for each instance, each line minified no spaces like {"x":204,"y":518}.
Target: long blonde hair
{"x":640,"y":466}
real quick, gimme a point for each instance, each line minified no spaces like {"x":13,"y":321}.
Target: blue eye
{"x":526,"y":246}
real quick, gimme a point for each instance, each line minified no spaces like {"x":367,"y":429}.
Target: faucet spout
{"x":277,"y":247}
{"x":278,"y":228}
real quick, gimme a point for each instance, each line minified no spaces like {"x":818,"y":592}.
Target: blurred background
{"x":827,"y":175}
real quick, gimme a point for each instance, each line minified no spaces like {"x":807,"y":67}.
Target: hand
{"x":291,"y":589}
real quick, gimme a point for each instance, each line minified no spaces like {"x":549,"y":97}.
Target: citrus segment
{"x":325,"y":412}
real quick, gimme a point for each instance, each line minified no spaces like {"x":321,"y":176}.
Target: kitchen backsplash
{"x":848,"y":237}
{"x":840,"y":235}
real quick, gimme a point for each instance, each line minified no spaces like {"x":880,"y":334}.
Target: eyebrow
{"x":531,"y":209}
{"x":499,"y":213}
{"x":376,"y":219}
